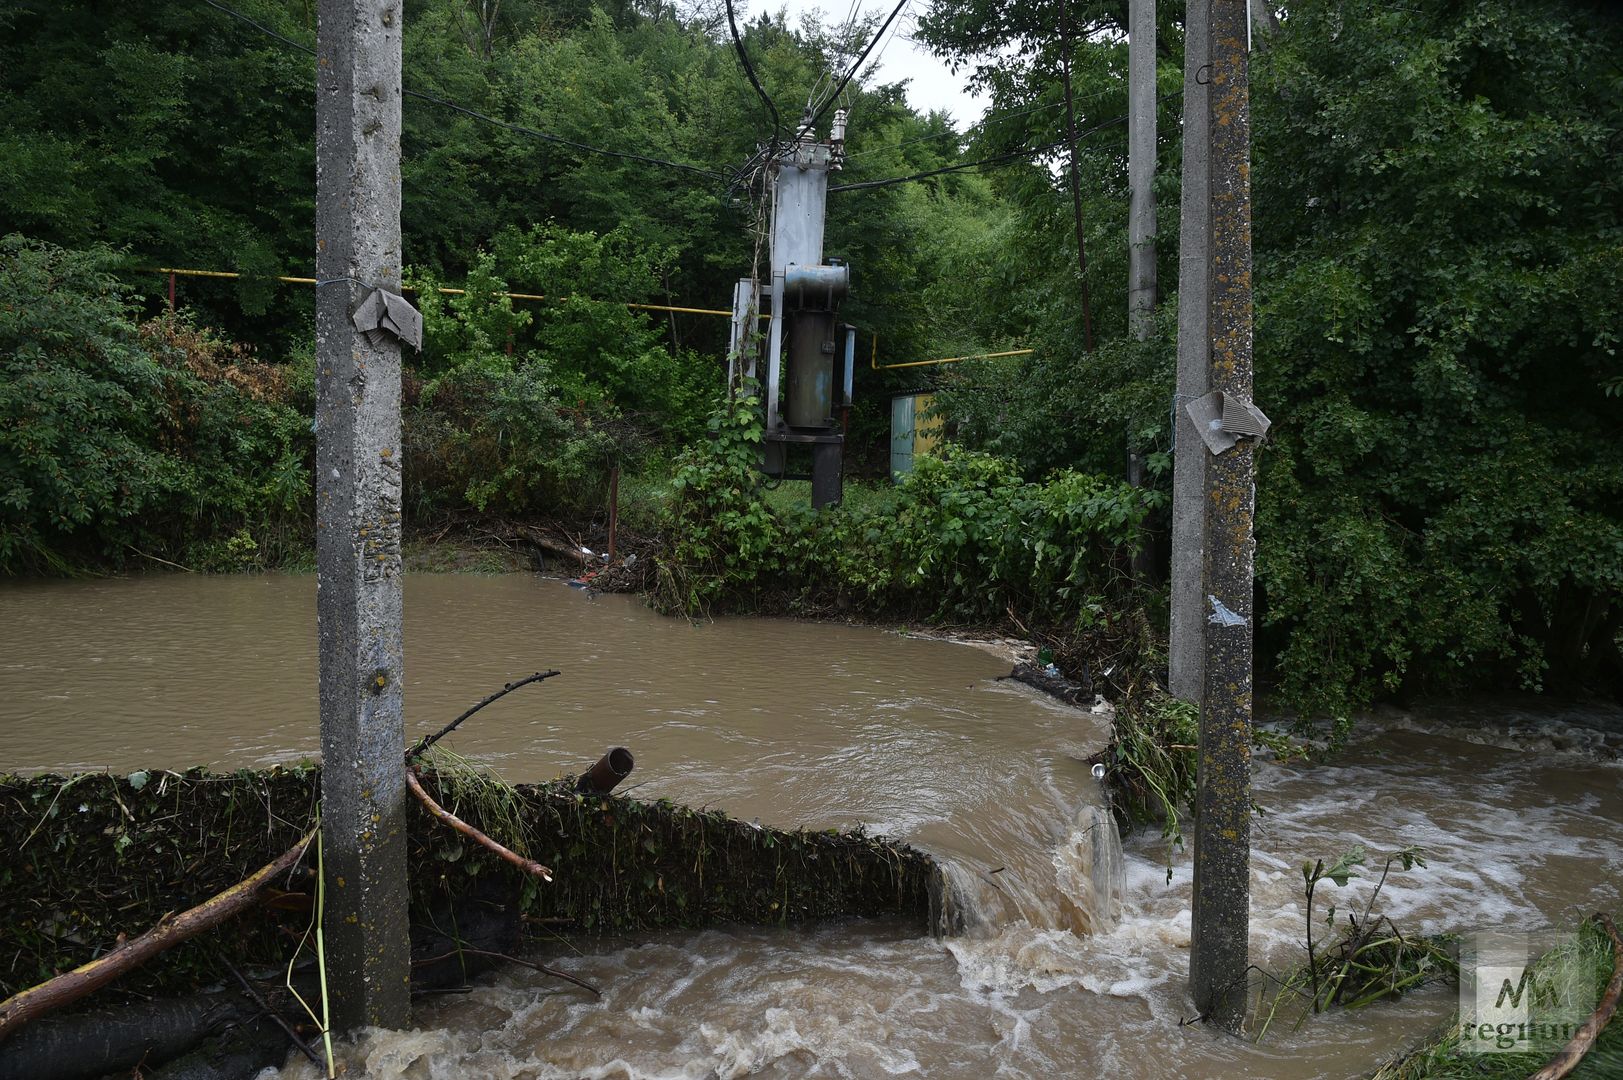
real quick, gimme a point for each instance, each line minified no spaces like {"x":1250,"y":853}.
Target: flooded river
{"x":1077,"y":950}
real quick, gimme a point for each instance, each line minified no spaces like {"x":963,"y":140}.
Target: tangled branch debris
{"x":70,"y":986}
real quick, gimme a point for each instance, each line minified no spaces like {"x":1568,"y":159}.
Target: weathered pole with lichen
{"x":1222,"y":848}
{"x":1186,"y":639}
{"x":358,"y":606}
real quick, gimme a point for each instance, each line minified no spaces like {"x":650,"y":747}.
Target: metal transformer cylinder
{"x":810,"y":400}
{"x":818,"y":288}
{"x":811,"y":293}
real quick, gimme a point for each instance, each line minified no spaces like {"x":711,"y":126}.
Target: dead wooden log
{"x":1571,"y":1054}
{"x":529,"y":866}
{"x":558,"y":548}
{"x":88,"y":1045}
{"x":70,"y":986}
{"x":427,"y":741}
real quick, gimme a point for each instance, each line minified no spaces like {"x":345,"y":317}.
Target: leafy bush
{"x":503,"y":442}
{"x":966,"y":539}
{"x":115,"y":437}
{"x":1439,"y":301}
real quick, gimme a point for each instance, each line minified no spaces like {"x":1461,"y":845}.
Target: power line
{"x":519,"y":129}
{"x":749,"y":73}
{"x":560,"y":140}
{"x":834,"y":95}
{"x":996,"y":159}
{"x":880,"y":55}
{"x":980,"y":126}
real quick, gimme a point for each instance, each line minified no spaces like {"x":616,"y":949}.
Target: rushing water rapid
{"x":1075,"y":950}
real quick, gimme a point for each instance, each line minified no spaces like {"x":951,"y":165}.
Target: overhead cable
{"x":996,"y":159}
{"x":835,"y":93}
{"x":749,"y":72}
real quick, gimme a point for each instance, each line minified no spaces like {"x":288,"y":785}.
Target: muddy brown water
{"x":1074,"y":960}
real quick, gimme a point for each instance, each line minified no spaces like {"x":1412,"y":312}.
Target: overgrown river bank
{"x":1076,"y":950}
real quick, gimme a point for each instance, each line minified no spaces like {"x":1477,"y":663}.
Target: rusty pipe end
{"x":606,"y":775}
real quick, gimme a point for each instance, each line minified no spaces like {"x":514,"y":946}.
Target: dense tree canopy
{"x":1438,"y":252}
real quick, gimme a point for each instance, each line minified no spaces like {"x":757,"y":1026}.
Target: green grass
{"x":1443,"y":1059}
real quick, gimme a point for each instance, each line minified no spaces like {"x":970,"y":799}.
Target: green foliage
{"x":602,"y":351}
{"x":1591,"y":953}
{"x":1371,"y":960}
{"x":725,"y":541}
{"x":503,"y":442}
{"x":965,"y":539}
{"x":526,"y":404}
{"x":1441,"y":288}
{"x":114,"y":436}
{"x":1439,"y":285}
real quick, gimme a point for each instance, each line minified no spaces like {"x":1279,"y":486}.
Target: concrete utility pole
{"x":1221,"y":906}
{"x":1186,"y":639}
{"x":358,"y":460}
{"x":1141,"y":284}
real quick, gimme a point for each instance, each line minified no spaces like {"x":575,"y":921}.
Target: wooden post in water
{"x":358,"y":461}
{"x":1222,"y":849}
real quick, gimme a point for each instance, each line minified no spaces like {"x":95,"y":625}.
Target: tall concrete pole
{"x":358,"y":459}
{"x":1186,"y":639}
{"x":1221,"y":908}
{"x":1141,"y":283}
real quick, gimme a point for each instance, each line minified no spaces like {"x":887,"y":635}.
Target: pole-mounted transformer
{"x":809,"y":354}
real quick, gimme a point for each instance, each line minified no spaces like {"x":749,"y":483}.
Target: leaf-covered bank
{"x":963,"y":540}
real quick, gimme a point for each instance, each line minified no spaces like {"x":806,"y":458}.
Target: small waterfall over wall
{"x":1078,"y":888}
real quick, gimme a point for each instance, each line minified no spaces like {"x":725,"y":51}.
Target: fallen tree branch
{"x":70,"y":986}
{"x":529,"y":866}
{"x":558,"y":547}
{"x":1572,"y":1053}
{"x":531,"y":964}
{"x":423,"y":744}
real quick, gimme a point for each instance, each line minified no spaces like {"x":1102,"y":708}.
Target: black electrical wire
{"x":749,"y":73}
{"x":475,"y":114}
{"x":560,"y":140}
{"x":964,"y":135}
{"x":996,"y":159}
{"x":835,"y":93}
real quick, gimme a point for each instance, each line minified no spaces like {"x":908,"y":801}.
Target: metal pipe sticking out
{"x":606,"y":775}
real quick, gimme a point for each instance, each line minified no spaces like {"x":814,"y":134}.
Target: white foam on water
{"x":1509,"y":841}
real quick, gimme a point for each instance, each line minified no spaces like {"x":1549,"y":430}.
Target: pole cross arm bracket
{"x":384,"y":311}
{"x":1223,"y":419}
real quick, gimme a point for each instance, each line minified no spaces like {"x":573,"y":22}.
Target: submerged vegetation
{"x":1592,"y":954}
{"x":1370,"y":959}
